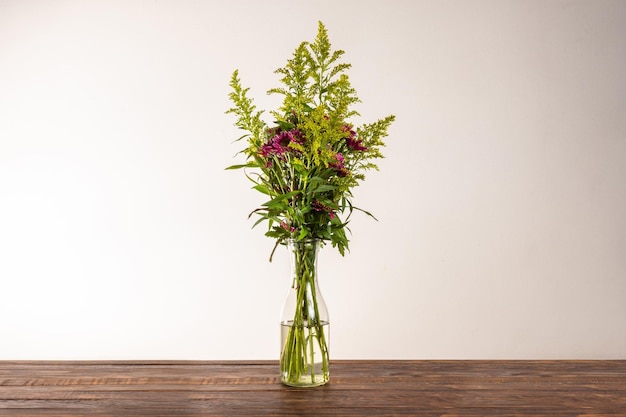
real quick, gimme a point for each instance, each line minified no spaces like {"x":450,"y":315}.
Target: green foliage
{"x":311,"y":158}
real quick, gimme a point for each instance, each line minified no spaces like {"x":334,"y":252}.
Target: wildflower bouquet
{"x":307,"y":163}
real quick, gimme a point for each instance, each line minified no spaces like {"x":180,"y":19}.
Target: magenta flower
{"x":339,"y":165}
{"x":286,"y":226}
{"x":317,"y":206}
{"x":352,"y":140}
{"x":279,"y":143}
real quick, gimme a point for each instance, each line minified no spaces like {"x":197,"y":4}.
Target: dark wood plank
{"x":357,"y":388}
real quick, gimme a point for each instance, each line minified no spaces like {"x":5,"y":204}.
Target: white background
{"x":501,"y":201}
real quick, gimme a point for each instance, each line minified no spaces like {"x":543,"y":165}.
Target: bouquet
{"x":307,"y":162}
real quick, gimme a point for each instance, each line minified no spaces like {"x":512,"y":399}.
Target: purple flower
{"x":287,"y":227}
{"x":317,"y":206}
{"x":279,"y":143}
{"x":352,"y":140}
{"x":339,"y":165}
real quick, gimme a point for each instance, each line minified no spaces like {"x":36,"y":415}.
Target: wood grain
{"x":357,"y":388}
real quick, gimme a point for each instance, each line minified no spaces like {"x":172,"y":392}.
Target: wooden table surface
{"x":357,"y":388}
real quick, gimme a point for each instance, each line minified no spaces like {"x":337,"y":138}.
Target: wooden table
{"x":357,"y":388}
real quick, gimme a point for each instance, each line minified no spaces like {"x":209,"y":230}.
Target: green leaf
{"x":258,"y":221}
{"x":304,"y":232}
{"x":284,"y":125}
{"x":247,"y":135}
{"x":280,"y":199}
{"x":248,"y":165}
{"x":366,"y":212}
{"x":323,"y":188}
{"x":262,"y":188}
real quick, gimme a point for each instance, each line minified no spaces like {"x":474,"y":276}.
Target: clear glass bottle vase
{"x":304,"y":359}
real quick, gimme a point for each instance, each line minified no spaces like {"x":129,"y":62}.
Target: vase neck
{"x":303,"y":245}
{"x":303,"y":259}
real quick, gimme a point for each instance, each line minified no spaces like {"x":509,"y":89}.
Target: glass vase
{"x":304,"y":358}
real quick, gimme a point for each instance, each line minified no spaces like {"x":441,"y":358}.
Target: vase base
{"x":306,"y":381}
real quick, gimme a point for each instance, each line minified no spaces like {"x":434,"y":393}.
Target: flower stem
{"x":305,"y":358}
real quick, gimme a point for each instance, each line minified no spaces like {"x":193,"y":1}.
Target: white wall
{"x":501,"y":202}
